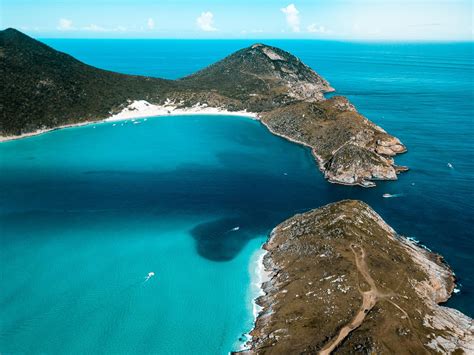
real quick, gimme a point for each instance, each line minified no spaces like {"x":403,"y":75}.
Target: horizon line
{"x":334,"y":39}
{"x":262,"y":39}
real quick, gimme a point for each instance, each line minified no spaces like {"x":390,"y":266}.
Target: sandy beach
{"x":143,"y":109}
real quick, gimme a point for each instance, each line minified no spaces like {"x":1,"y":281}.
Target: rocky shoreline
{"x":349,"y":149}
{"x":342,"y":280}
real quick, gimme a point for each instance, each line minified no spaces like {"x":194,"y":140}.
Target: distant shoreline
{"x":142,"y":109}
{"x":46,"y":130}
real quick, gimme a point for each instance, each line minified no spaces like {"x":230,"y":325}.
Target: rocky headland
{"x":342,"y":281}
{"x":44,"y":89}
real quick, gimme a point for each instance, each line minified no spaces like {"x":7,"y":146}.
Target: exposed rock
{"x":349,"y":148}
{"x":352,"y":164}
{"x":343,"y":281}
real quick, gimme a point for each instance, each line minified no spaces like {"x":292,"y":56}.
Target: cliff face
{"x":343,"y":281}
{"x":44,"y":89}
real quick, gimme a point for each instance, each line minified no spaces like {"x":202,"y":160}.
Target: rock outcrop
{"x":349,"y":148}
{"x":45,"y":89}
{"x":342,"y":281}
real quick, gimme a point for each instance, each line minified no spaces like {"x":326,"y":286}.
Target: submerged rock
{"x":343,"y":281}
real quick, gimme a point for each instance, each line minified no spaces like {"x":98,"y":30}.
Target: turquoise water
{"x":86,"y":213}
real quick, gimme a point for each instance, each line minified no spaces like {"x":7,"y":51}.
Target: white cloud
{"x":313,"y":28}
{"x":94,"y":28}
{"x":292,"y":17}
{"x":150,"y":23}
{"x":65,"y":25}
{"x":206,"y":21}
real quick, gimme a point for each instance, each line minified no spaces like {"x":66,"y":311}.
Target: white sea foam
{"x":258,"y":276}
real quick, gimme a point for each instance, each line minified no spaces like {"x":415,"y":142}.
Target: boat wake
{"x":391,"y":195}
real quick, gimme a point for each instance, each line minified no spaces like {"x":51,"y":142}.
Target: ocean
{"x":87,"y":213}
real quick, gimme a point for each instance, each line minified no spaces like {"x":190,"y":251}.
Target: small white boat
{"x":450,"y":166}
{"x":386,"y":195}
{"x":149,"y":276}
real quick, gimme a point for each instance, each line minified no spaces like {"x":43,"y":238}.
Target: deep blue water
{"x":87,"y":212}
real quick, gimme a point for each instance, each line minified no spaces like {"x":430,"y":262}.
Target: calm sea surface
{"x":86,"y":213}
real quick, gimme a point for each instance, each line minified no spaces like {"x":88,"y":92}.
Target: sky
{"x":392,"y":20}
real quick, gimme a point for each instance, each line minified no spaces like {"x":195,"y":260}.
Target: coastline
{"x":258,"y":277}
{"x":142,"y":109}
{"x":46,"y":130}
{"x":261,"y":276}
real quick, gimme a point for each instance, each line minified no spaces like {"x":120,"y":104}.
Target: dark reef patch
{"x":221,"y":239}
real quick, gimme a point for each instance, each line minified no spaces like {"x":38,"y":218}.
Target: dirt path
{"x":369,"y":299}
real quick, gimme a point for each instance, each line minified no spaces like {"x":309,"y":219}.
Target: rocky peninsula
{"x":45,"y":89}
{"x":342,"y":281}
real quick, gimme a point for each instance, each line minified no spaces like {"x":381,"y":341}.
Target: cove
{"x":88,"y":212}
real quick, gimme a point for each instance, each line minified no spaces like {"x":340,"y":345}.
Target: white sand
{"x":142,"y":109}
